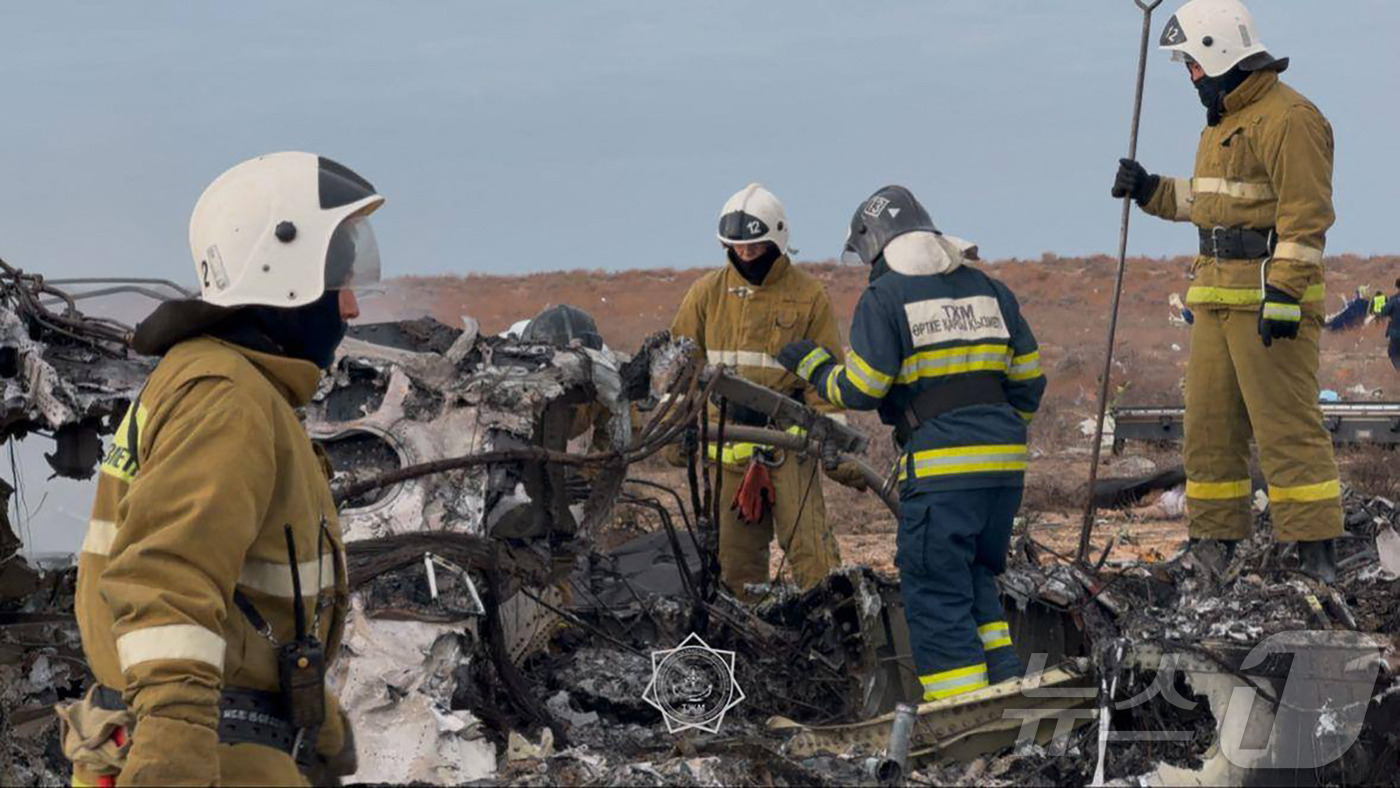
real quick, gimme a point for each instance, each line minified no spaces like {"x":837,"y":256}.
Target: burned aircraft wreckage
{"x":502,"y":621}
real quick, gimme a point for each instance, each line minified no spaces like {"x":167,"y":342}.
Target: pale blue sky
{"x":524,"y":136}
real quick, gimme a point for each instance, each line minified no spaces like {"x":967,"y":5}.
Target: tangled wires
{"x":25,"y":294}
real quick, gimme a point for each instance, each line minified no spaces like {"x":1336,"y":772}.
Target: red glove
{"x":755,"y":494}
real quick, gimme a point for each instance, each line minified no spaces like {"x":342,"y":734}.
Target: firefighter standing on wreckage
{"x":942,"y":351}
{"x":211,"y":583}
{"x":1261,"y":197}
{"x":740,"y":316}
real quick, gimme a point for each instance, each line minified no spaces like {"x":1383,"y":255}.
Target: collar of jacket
{"x":1251,"y":90}
{"x":922,"y":253}
{"x":775,"y":274}
{"x":295,"y":378}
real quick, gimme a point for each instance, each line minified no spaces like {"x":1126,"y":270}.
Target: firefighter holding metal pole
{"x":942,"y":351}
{"x":1261,"y":198}
{"x":212,"y":588}
{"x":741,"y":316}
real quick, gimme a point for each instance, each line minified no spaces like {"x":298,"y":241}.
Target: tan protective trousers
{"x":1235,"y":388}
{"x":239,"y":764}
{"x":802,"y":529}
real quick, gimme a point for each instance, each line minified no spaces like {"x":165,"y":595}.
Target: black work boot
{"x":1319,"y":559}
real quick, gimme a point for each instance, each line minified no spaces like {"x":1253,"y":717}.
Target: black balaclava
{"x":755,"y":271}
{"x":310,"y":333}
{"x":1213,"y":91}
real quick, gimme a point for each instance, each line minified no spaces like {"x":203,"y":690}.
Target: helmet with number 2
{"x":282,"y":229}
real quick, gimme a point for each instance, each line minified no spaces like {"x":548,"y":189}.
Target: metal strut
{"x":1089,"y":510}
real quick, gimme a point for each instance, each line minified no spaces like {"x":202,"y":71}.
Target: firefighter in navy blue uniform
{"x":941,"y":350}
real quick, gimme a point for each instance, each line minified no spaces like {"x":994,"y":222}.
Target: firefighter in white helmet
{"x":1261,"y":198}
{"x":741,"y":315}
{"x":211,"y":584}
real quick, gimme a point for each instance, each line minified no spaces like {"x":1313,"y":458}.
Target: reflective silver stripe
{"x":171,"y":641}
{"x":1288,"y":250}
{"x":1241,"y":190}
{"x":1185,"y":197}
{"x":742,"y":358}
{"x":275,"y":579}
{"x":816,"y":358}
{"x":991,"y":633}
{"x":974,"y":680}
{"x":868,"y":385}
{"x":1025,"y":370}
{"x":915,"y":366}
{"x":1283,"y":312}
{"x":100,"y":535}
{"x":839,"y":418}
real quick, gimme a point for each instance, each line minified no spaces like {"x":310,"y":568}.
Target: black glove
{"x":803,"y":358}
{"x":1134,"y":181}
{"x":1279,"y":316}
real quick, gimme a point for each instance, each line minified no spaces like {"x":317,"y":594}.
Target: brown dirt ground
{"x":1066,"y":301}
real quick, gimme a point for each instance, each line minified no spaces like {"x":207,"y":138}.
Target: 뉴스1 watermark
{"x":1306,"y":721}
{"x":693,"y":685}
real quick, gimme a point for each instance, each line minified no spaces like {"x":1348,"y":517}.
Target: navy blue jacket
{"x":911,"y":333}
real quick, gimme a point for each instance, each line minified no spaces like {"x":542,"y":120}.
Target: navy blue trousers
{"x":951,"y":546}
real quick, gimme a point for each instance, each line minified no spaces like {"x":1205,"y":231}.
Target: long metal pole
{"x":1089,"y":509}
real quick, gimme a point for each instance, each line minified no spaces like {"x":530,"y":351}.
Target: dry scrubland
{"x":1065,"y":299}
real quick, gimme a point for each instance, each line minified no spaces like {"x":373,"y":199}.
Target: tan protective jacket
{"x":191,"y":510}
{"x":1267,"y":165}
{"x":745,"y":325}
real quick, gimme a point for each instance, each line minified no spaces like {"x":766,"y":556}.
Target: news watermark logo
{"x":1302,"y":716}
{"x":693,"y":685}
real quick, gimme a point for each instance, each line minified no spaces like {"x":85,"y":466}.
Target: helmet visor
{"x":352,"y":258}
{"x":849,"y":255}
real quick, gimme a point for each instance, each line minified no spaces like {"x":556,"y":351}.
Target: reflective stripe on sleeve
{"x":1243,"y":296}
{"x":1184,"y":198}
{"x":1306,"y":493}
{"x":1240,"y":190}
{"x":868,"y":379}
{"x":833,"y":388}
{"x":994,"y":635}
{"x":968,"y":459}
{"x":1025,"y":415}
{"x":171,"y":641}
{"x":1218,"y":491}
{"x":1288,"y":250}
{"x":1025,"y":367}
{"x":275,"y":579}
{"x":99,"y":538}
{"x":948,"y":683}
{"x":743,"y":358}
{"x":815,"y":359}
{"x":953,"y":361}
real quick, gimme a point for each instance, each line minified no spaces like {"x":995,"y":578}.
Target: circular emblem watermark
{"x":693,"y":685}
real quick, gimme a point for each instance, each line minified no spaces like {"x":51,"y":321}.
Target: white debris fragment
{"x":519,"y":748}
{"x":1388,"y":546}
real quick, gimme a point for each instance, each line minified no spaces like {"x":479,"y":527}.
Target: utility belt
{"x":246,"y":716}
{"x":1237,"y":243}
{"x":959,"y":392}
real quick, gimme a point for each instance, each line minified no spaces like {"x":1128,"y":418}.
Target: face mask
{"x":1213,"y":90}
{"x":311,"y":333}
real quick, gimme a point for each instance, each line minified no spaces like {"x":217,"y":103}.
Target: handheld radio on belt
{"x":301,"y":663}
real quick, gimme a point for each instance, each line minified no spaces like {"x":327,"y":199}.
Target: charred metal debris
{"x":511,"y":584}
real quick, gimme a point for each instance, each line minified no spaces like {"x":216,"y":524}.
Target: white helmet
{"x":1218,"y":35}
{"x":282,"y":229}
{"x":753,"y":216}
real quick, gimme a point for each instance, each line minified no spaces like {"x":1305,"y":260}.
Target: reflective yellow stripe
{"x":1288,"y":312}
{"x":1243,"y":296}
{"x":994,"y":635}
{"x":1306,"y":493}
{"x":954,"y":682}
{"x":1184,"y":198}
{"x":1025,"y":415}
{"x":872,"y":382}
{"x":1240,"y":190}
{"x":953,"y":361}
{"x":99,"y":538}
{"x":275,"y":579}
{"x":1377,"y":304}
{"x":1025,"y":367}
{"x":738,"y":453}
{"x":833,"y":389}
{"x":120,"y":462}
{"x":812,"y":360}
{"x":1218,"y":491}
{"x":171,"y":641}
{"x":968,"y":459}
{"x":1288,"y":250}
